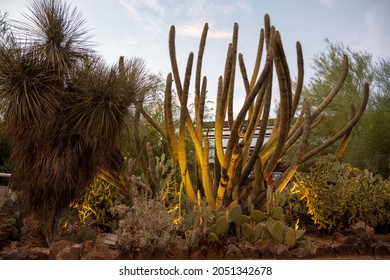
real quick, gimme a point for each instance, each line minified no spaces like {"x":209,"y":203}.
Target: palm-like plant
{"x":66,"y":111}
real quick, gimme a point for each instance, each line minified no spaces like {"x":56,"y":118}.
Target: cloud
{"x":149,"y":12}
{"x":328,"y":3}
{"x":377,"y":26}
{"x":236,"y":6}
{"x":139,"y":8}
{"x":194,"y":30}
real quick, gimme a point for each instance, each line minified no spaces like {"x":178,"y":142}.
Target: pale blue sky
{"x":141,"y":27}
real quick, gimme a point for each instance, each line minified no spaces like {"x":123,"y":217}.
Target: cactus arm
{"x":181,"y":137}
{"x":168,"y":119}
{"x":219,"y":122}
{"x":153,"y":178}
{"x":208,"y":188}
{"x":254,"y":121}
{"x":244,"y":74}
{"x":248,"y":167}
{"x":199,"y":96}
{"x":282,"y":181}
{"x":232,"y":167}
{"x":152,"y":121}
{"x":284,"y":110}
{"x":202,"y":45}
{"x":217,"y":171}
{"x":223,"y":182}
{"x":334,"y":91}
{"x":258,"y":59}
{"x":202,"y":99}
{"x":299,"y":85}
{"x":232,"y":76}
{"x":258,"y":183}
{"x":248,"y":102}
{"x":347,"y":135}
{"x":286,"y":76}
{"x":344,"y":130}
{"x":267,"y":31}
{"x":172,"y":55}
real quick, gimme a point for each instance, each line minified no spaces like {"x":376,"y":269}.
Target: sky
{"x":140,"y":28}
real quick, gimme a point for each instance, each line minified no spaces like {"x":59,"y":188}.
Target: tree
{"x":66,"y":112}
{"x":370,"y":140}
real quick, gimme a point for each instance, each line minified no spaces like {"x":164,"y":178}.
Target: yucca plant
{"x":66,"y":111}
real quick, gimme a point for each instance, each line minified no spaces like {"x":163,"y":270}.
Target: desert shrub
{"x":337,"y":195}
{"x":147,"y":222}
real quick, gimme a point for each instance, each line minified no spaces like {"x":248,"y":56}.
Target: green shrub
{"x":206,"y":225}
{"x":94,"y":207}
{"x":338,"y":195}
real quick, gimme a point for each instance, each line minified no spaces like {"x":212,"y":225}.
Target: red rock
{"x":363,"y":247}
{"x":151,"y":252}
{"x":281,"y":252}
{"x":64,"y":250}
{"x":301,"y":253}
{"x":100,"y":254}
{"x":233,"y":253}
{"x":249,"y":250}
{"x":215,"y":251}
{"x":381,"y":249}
{"x":38,"y":253}
{"x":198,"y":253}
{"x":362,"y":229}
{"x":324,"y":251}
{"x":266,"y":253}
{"x":346,"y":249}
{"x":179,"y":252}
{"x":338,"y":237}
{"x":6,"y":223}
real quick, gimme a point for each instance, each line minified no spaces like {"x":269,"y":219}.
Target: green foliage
{"x":258,"y":226}
{"x":196,"y":222}
{"x":94,"y":207}
{"x":271,"y":225}
{"x":338,"y":195}
{"x":370,"y":142}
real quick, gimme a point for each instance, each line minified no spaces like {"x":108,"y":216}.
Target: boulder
{"x":361,"y":229}
{"x":6,"y":224}
{"x":233,"y":253}
{"x":281,"y":252}
{"x":64,"y":250}
{"x":215,"y":251}
{"x":151,"y":252}
{"x":198,"y":253}
{"x":301,"y":253}
{"x":249,"y":250}
{"x":179,"y":252}
{"x":323,"y":251}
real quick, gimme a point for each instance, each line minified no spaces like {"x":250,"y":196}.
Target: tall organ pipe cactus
{"x":239,"y":172}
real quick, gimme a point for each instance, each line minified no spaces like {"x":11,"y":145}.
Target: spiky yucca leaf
{"x":28,"y":87}
{"x":57,"y":31}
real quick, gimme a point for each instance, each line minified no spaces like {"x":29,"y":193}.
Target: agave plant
{"x":66,"y":111}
